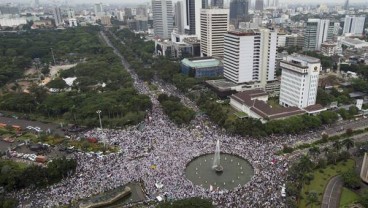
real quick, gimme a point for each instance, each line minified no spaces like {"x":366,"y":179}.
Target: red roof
{"x":261,"y":108}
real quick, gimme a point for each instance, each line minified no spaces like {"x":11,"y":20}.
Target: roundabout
{"x":236,"y":171}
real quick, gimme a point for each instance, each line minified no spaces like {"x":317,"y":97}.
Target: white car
{"x":29,"y":127}
{"x":283,"y":191}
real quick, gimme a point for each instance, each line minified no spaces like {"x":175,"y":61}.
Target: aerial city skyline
{"x":183,"y":103}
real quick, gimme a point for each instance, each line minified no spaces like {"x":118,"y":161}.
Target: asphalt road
{"x":331,"y":196}
{"x":24,"y":123}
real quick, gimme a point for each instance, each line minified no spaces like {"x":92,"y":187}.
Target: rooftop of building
{"x":191,"y":40}
{"x":314,"y":108}
{"x":354,"y":41}
{"x":304,"y":58}
{"x":262,"y":108}
{"x":202,"y":62}
{"x":331,"y":44}
{"x":243,"y":32}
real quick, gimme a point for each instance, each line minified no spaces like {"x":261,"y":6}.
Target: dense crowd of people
{"x":159,"y":153}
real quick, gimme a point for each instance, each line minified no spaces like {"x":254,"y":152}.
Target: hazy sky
{"x":142,"y":1}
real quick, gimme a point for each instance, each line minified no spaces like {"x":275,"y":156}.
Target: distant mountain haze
{"x":144,"y":1}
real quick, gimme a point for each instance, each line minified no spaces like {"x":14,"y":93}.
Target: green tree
{"x":328,"y":117}
{"x":337,"y":145}
{"x":348,"y":143}
{"x":312,"y":198}
{"x":314,"y":151}
{"x":364,"y":199}
{"x":195,"y":202}
{"x":351,"y":179}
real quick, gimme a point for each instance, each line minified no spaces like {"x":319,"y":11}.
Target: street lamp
{"x":99,"y":117}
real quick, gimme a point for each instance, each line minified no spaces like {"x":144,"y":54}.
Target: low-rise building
{"x":328,"y":48}
{"x":355,"y":43}
{"x":202,"y":67}
{"x":254,"y":104}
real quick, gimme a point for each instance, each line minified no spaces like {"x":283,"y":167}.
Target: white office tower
{"x":163,"y":21}
{"x":250,"y":56}
{"x":57,"y":16}
{"x":214,"y":25}
{"x":354,"y":25}
{"x":317,"y":32}
{"x":99,"y":11}
{"x":299,"y":80}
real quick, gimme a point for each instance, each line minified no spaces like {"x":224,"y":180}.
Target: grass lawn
{"x":321,"y":178}
{"x":274,"y":104}
{"x":347,"y":197}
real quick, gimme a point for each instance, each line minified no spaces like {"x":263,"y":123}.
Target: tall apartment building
{"x":179,"y":17}
{"x":294,"y":40}
{"x":163,"y":21}
{"x":57,"y":16}
{"x":214,"y":25}
{"x":346,"y":5}
{"x":217,"y":3}
{"x":250,"y":55}
{"x":71,"y":13}
{"x":192,"y":17}
{"x":238,"y":11}
{"x":354,"y":25}
{"x":99,"y":10}
{"x":205,"y":4}
{"x":299,"y":80}
{"x":317,"y":32}
{"x":259,"y":5}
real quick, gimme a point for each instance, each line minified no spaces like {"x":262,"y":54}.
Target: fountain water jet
{"x":216,"y":160}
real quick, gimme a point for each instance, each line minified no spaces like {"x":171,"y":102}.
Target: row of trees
{"x":14,"y":177}
{"x":139,"y":54}
{"x":195,"y":202}
{"x":176,"y":111}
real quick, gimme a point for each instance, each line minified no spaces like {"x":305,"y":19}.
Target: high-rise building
{"x":354,"y":25}
{"x":192,"y":17}
{"x":217,"y":3}
{"x":299,"y":80}
{"x":71,"y":13}
{"x":259,"y":5}
{"x":238,"y":12}
{"x":57,"y":16}
{"x":99,"y":11}
{"x":163,"y":21}
{"x":214,"y":25}
{"x":36,"y":3}
{"x":317,"y":31}
{"x":250,"y":55}
{"x":205,"y":4}
{"x":179,"y":17}
{"x":346,"y":6}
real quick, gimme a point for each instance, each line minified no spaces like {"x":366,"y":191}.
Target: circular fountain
{"x":208,"y":171}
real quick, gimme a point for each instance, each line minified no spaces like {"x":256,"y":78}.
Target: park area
{"x":347,"y":198}
{"x":320,"y":179}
